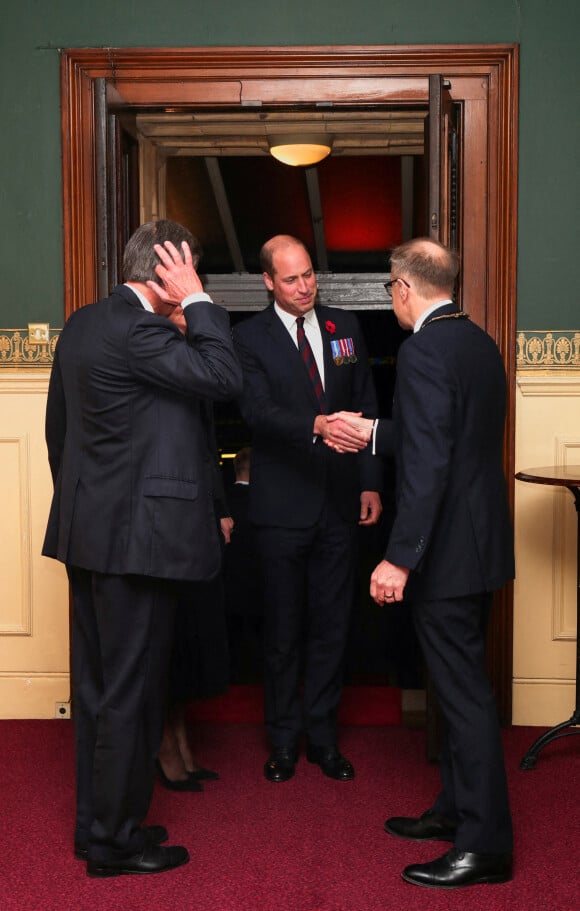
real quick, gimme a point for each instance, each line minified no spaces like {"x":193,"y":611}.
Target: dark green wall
{"x":30,"y":191}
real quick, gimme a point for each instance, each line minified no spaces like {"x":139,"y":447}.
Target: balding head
{"x":428,"y":265}
{"x":280,"y":243}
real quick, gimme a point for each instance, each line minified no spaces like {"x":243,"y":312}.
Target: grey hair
{"x":430,"y":266}
{"x":140,"y":259}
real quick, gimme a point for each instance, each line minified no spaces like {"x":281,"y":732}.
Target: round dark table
{"x":562,"y":476}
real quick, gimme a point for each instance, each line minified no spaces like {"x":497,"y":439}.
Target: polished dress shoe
{"x":155,"y":835}
{"x":188,"y":784}
{"x":460,"y":868}
{"x":153,"y":859}
{"x":331,"y":762}
{"x":201,"y":774}
{"x":430,"y":826}
{"x":281,"y":764}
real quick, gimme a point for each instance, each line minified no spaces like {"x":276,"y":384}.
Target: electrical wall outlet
{"x":38,"y":333}
{"x":62,"y":709}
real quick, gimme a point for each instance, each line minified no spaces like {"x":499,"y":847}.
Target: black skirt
{"x":200,"y":661}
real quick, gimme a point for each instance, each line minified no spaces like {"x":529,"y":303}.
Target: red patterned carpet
{"x":310,"y":844}
{"x":360,"y":705}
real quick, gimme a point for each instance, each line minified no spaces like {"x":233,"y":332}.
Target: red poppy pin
{"x":330,"y":327}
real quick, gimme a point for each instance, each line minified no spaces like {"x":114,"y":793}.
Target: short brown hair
{"x":242,"y":461}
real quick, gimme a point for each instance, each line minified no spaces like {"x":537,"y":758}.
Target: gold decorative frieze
{"x":534,"y":349}
{"x":18,"y":350}
{"x":548,"y":348}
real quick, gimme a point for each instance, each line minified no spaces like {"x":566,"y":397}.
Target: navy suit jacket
{"x":293,"y":473}
{"x":452,"y":526}
{"x":129,"y":441}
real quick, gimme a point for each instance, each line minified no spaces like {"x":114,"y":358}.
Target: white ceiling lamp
{"x":300,"y":149}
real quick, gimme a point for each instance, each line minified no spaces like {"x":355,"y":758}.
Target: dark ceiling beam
{"x":225,"y":213}
{"x":407,"y":197}
{"x":313,"y":189}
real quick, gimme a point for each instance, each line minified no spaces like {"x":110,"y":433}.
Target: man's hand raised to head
{"x":177,"y":273}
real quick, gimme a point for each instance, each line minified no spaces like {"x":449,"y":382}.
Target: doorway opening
{"x":350,"y":211}
{"x":99,"y":87}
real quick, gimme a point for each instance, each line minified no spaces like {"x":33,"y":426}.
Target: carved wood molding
{"x":168,"y":77}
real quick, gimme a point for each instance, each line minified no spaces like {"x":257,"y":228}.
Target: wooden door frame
{"x":484,"y":81}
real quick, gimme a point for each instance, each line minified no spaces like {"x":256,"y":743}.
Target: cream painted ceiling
{"x":370,"y":132}
{"x":228,"y":134}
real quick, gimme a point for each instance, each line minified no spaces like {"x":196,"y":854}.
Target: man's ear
{"x":404,"y":295}
{"x":268,"y":281}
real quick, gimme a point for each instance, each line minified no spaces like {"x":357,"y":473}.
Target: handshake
{"x":344,"y":431}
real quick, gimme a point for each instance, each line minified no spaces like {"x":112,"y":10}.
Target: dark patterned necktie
{"x":310,"y":363}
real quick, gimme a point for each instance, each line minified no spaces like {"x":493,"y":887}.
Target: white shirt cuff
{"x":194,"y":298}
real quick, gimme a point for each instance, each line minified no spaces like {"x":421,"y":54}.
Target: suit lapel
{"x":332,"y":373}
{"x":288,"y":353}
{"x":327,"y":357}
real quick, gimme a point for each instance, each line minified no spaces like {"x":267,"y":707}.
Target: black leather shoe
{"x":331,"y":762}
{"x":281,"y":764}
{"x":428,"y":827}
{"x":155,"y":835}
{"x":153,"y":859}
{"x":201,"y":774}
{"x":460,"y":868}
{"x":188,"y":784}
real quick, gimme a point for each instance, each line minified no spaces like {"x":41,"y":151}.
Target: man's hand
{"x":176,"y":272}
{"x":388,"y":582}
{"x":355,"y":420}
{"x":227,"y":527}
{"x":370,"y":507}
{"x":173,"y":313}
{"x":355,"y":430}
{"x":340,"y":434}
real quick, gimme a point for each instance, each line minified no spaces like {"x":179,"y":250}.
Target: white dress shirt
{"x":311,"y":331}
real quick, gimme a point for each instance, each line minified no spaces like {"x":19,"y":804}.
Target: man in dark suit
{"x":300,"y":362}
{"x":243,"y":584}
{"x":132,"y":513}
{"x":243,"y":588}
{"x":450,"y":547}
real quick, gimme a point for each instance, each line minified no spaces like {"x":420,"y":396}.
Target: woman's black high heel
{"x":201,"y":774}
{"x":189,"y":784}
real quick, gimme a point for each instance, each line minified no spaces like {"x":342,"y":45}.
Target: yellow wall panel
{"x":34,"y":613}
{"x":547,"y":433}
{"x":15,"y":615}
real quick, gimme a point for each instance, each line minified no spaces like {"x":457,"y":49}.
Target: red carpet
{"x":360,"y":705}
{"x":311,"y":844}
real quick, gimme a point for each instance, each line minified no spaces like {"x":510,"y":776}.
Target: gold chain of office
{"x":460,"y":315}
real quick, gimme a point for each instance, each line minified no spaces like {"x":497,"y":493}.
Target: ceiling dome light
{"x":300,"y":150}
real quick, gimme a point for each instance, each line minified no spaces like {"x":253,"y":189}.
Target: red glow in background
{"x":365,"y":213}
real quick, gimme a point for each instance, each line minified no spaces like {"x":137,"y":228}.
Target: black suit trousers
{"x":308,"y":594}
{"x":474,"y":792}
{"x":122,"y":629}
